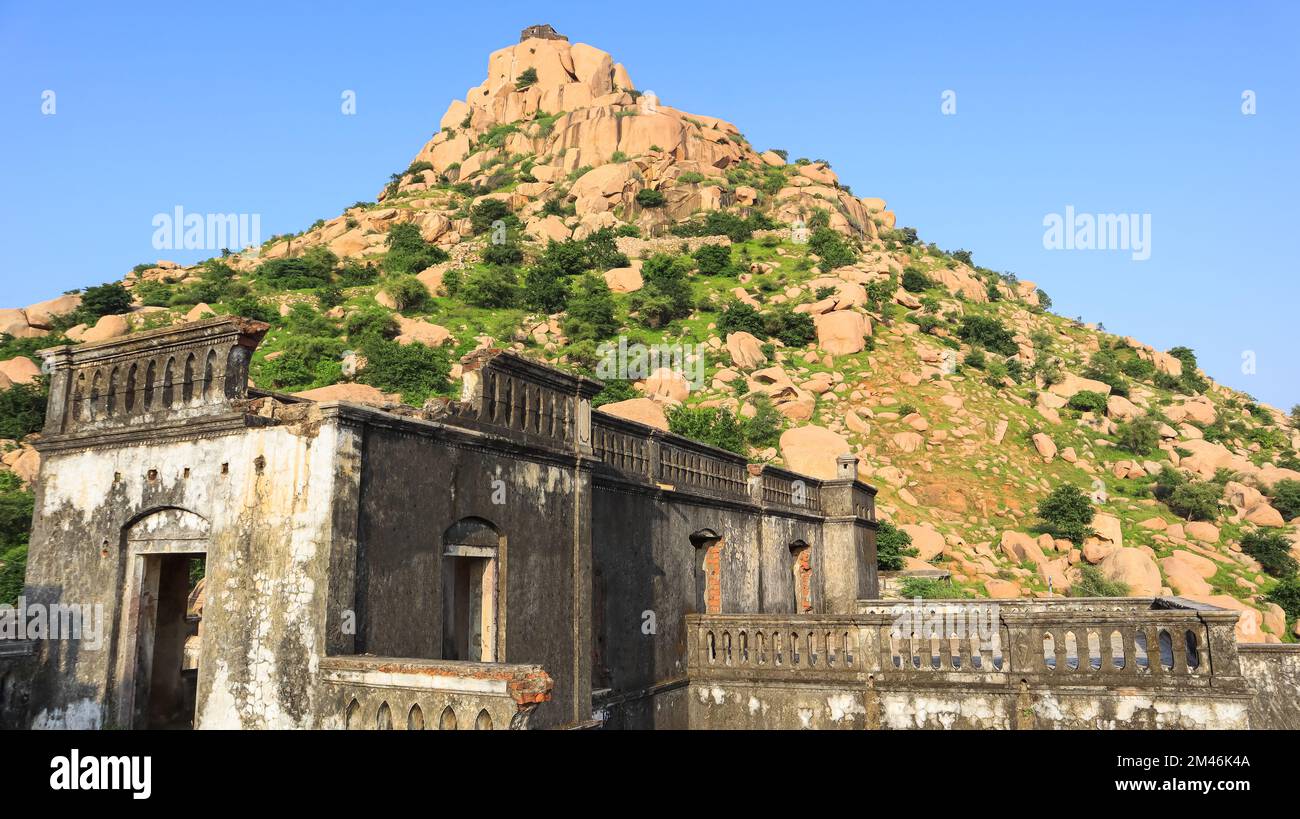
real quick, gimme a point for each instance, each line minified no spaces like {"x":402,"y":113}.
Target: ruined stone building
{"x":515,"y":559}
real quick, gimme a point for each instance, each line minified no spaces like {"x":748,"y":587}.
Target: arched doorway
{"x":165,"y":554}
{"x":472,"y":590}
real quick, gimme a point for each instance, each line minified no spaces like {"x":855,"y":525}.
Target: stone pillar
{"x":848,"y":553}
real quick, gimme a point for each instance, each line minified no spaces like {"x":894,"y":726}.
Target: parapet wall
{"x":1103,"y":663}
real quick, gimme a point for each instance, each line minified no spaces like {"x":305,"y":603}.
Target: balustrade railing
{"x":1086,"y":642}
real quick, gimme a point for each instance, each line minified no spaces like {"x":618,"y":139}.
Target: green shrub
{"x":793,"y":329}
{"x":299,"y":273}
{"x":103,"y":300}
{"x":526,"y":78}
{"x":722,"y":223}
{"x":1273,"y":551}
{"x":649,"y":198}
{"x":253,"y":308}
{"x":483,"y":214}
{"x":415,"y":371}
{"x":738,"y":317}
{"x":615,"y":391}
{"x":408,"y":292}
{"x":1286,"y":594}
{"x":558,"y":206}
{"x":914,"y":281}
{"x":590,"y":315}
{"x":546,"y":288}
{"x":504,"y":253}
{"x":987,"y":332}
{"x":892,"y":545}
{"x":1285,"y":497}
{"x":764,"y":428}
{"x":330,"y":296}
{"x":22,"y":409}
{"x":16,"y":505}
{"x":1088,"y":401}
{"x":13,"y":567}
{"x":713,"y":260}
{"x":831,"y":248}
{"x":928,"y":589}
{"x":975,"y":359}
{"x":408,"y":253}
{"x":305,"y":363}
{"x":369,"y":322}
{"x":1140,"y":436}
{"x":715,"y":426}
{"x":667,"y":294}
{"x":354,"y":273}
{"x":495,"y":287}
{"x":1067,"y":513}
{"x":1138,"y":368}
{"x":1092,"y":583}
{"x":1195,"y":500}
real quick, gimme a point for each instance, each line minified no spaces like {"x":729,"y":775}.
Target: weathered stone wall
{"x":16,"y":668}
{"x":1273,"y":672}
{"x":263,"y":500}
{"x":416,"y":484}
{"x":647,"y":578}
{"x":895,"y":706}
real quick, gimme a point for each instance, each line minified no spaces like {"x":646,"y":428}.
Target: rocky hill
{"x":557,"y":209}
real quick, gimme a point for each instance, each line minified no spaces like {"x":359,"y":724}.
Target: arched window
{"x":169,"y":385}
{"x":447,"y":722}
{"x":415,"y":719}
{"x":150,"y":378}
{"x":801,"y":571}
{"x":187,"y":386}
{"x":471,"y":579}
{"x":209,"y":374}
{"x":708,"y":571}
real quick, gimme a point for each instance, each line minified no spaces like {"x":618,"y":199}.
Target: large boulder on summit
{"x":812,"y":450}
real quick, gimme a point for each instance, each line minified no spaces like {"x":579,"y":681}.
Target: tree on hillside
{"x":104,"y":300}
{"x":1067,"y":513}
{"x":590,"y":315}
{"x":667,"y":293}
{"x":1273,"y":551}
{"x":892,"y":545}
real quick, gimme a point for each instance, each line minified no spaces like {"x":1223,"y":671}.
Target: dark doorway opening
{"x":171,"y":619}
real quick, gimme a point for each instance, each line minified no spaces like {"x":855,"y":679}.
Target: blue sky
{"x":1109,"y":108}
